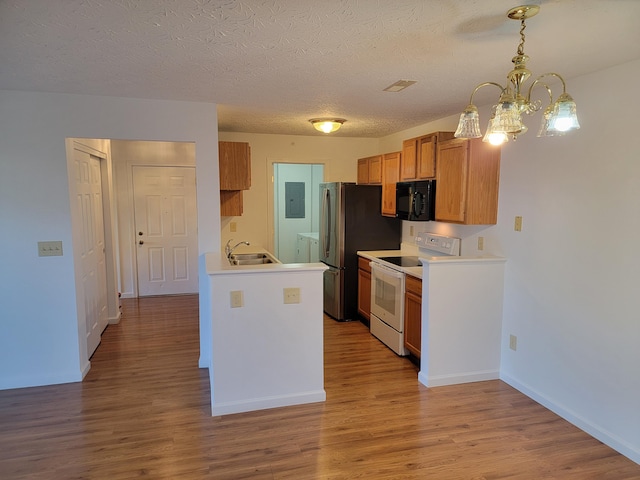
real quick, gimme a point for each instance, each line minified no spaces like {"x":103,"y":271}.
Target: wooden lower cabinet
{"x":364,"y":288}
{"x":413,"y":314}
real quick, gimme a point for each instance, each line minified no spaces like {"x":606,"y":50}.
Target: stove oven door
{"x":387,"y":295}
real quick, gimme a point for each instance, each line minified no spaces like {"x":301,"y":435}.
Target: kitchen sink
{"x":251,"y":259}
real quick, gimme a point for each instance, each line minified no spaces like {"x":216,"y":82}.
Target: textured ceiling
{"x":271,"y":65}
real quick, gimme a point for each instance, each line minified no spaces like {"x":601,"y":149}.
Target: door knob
{"x":141,"y":242}
{"x":140,"y":233}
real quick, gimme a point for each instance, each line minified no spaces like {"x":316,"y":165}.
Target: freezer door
{"x":333,"y":299}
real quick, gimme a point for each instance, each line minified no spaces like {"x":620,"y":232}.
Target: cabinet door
{"x":370,"y":170}
{"x":302,"y":250}
{"x":235,"y":165}
{"x":363,"y":170}
{"x":364,"y":293}
{"x":375,"y":170}
{"x":231,"y":203}
{"x":314,"y":250}
{"x":412,"y":322}
{"x":409,"y":158}
{"x":390,"y":175}
{"x":426,"y":161}
{"x":451,"y":180}
{"x":483,"y":186}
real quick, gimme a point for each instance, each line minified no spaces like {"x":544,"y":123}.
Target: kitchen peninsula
{"x":454,"y":324}
{"x":266,"y":334}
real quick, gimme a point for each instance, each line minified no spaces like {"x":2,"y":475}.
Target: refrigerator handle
{"x":325,"y":222}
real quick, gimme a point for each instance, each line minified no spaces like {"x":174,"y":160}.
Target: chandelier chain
{"x":521,"y":46}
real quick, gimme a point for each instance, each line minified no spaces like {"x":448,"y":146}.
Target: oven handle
{"x":386,"y":270}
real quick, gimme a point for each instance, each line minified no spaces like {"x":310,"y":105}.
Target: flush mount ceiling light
{"x":327,"y":125}
{"x":559,"y":117}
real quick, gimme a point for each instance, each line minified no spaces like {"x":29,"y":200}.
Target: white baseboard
{"x":454,"y":379}
{"x":115,"y":320}
{"x":225,"y":408}
{"x":609,"y":439}
{"x":25,"y":381}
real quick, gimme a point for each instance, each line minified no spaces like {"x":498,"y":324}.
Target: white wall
{"x":39,"y":343}
{"x":338,"y":154}
{"x":572,"y":278}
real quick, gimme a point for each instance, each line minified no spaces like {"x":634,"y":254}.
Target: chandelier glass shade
{"x":327,"y":125}
{"x":559,"y":117}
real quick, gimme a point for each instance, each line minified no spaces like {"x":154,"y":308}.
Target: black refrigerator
{"x":350,"y":220}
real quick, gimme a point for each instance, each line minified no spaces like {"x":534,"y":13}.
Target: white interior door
{"x":166,"y":230}
{"x":94,"y":277}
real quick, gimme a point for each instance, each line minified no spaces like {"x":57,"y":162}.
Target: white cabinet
{"x":314,"y":248}
{"x":302,"y":249}
{"x":307,"y":248}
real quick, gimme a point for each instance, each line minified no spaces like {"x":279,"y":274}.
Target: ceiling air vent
{"x":399,"y":85}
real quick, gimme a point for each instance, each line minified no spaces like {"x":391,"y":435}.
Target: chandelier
{"x":559,"y":117}
{"x":327,"y":125}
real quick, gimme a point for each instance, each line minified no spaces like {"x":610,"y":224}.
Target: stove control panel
{"x":438,"y":243}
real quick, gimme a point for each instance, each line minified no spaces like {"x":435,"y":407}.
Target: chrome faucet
{"x":229,"y":249}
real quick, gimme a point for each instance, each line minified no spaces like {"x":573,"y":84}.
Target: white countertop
{"x":376,"y":255}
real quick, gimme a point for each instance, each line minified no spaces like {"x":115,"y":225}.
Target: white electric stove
{"x":387,"y":287}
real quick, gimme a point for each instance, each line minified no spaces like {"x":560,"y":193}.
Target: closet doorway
{"x":296,"y":208}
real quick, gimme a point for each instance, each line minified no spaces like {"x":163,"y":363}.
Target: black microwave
{"x":416,"y":200}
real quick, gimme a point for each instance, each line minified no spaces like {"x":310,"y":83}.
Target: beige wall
{"x":339,"y":156}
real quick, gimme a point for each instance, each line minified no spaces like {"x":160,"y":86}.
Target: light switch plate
{"x":291,"y":295}
{"x":517,"y":225}
{"x":50,"y":249}
{"x":237,"y":298}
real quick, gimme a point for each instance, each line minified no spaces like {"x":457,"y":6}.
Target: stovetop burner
{"x":403,"y":261}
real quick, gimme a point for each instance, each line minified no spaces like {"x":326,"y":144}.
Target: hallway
{"x":144,"y":411}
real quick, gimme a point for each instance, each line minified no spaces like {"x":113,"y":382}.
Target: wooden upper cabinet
{"x":419,"y":156}
{"x":390,"y":175}
{"x":409,"y":156}
{"x":370,"y":170}
{"x":231,"y":204}
{"x":426,"y":162}
{"x":235,"y":165}
{"x":235,"y":175}
{"x":467,"y":182}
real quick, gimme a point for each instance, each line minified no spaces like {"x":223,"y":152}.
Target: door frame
{"x":100,"y":149}
{"x":271,"y":231}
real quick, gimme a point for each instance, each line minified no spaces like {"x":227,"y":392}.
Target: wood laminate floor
{"x":143,"y":411}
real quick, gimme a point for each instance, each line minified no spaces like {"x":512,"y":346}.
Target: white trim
{"x":267,"y":402}
{"x":454,"y":379}
{"x":572,"y":417}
